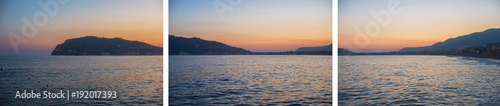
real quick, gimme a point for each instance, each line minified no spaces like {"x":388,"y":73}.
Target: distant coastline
{"x":273,"y":53}
{"x":197,"y":46}
{"x":485,"y":56}
{"x":491,"y":51}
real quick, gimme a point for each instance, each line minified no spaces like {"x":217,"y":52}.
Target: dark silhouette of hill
{"x":343,"y":51}
{"x":474,"y":39}
{"x":319,"y":48}
{"x":197,"y":46}
{"x":92,"y":45}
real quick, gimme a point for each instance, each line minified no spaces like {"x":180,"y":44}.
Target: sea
{"x":418,"y":80}
{"x":136,"y":80}
{"x":250,"y":80}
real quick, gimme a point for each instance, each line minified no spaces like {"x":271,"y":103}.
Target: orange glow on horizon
{"x":257,"y":25}
{"x":418,"y":24}
{"x":132,"y":20}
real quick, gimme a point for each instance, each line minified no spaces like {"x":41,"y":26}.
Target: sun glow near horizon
{"x":258,"y":25}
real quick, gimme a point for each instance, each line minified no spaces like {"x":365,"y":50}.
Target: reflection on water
{"x":251,"y":80}
{"x":418,"y":80}
{"x":136,"y":79}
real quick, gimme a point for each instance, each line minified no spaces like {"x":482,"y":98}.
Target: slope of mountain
{"x":197,"y":46}
{"x":343,"y":51}
{"x":92,"y":45}
{"x":474,"y":39}
{"x":319,"y":48}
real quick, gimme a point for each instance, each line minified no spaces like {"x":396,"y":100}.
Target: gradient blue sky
{"x":140,"y":20}
{"x":255,"y":25}
{"x":420,"y":23}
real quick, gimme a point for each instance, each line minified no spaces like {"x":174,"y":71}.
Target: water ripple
{"x":250,"y":80}
{"x":418,"y":80}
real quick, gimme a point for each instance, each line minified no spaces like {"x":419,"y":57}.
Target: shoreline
{"x":488,"y":56}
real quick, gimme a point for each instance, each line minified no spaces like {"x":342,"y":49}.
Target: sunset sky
{"x":255,"y":25}
{"x":140,"y":20}
{"x":419,"y":23}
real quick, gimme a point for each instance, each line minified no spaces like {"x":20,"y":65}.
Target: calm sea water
{"x":136,"y":79}
{"x":418,"y":80}
{"x":250,"y":80}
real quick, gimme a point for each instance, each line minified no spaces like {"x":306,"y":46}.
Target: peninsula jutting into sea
{"x":92,"y":45}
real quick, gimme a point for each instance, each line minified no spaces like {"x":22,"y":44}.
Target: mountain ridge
{"x":491,"y":35}
{"x":316,"y":48}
